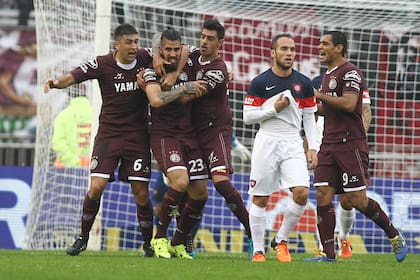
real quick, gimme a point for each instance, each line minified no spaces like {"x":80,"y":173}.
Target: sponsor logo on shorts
{"x":93,"y":163}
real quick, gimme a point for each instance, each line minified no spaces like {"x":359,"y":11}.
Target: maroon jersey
{"x":343,"y":126}
{"x":212,"y":109}
{"x":173,"y":118}
{"x":123,"y":102}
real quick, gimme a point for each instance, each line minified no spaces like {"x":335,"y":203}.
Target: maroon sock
{"x":189,"y":218}
{"x":326,"y":225}
{"x":145,"y":218}
{"x":235,"y":203}
{"x":169,"y":209}
{"x":375,"y":213}
{"x":90,"y":209}
{"x":181,"y":205}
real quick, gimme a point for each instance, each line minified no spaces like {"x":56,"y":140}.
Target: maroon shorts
{"x":216,"y":143}
{"x":179,"y":152}
{"x":128,"y":151}
{"x":343,"y":166}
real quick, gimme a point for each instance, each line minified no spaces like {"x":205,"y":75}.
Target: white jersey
{"x":278,"y":158}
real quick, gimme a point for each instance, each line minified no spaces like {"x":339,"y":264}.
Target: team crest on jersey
{"x":352,"y":76}
{"x":252,"y":184}
{"x":174,"y":156}
{"x":93,"y":163}
{"x":332,"y":83}
{"x":297,"y":88}
{"x":92,"y":63}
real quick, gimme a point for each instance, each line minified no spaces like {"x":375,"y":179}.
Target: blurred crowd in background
{"x":18,"y":70}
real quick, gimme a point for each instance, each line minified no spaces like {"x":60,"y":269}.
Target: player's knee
{"x":95,"y":191}
{"x":260,"y":201}
{"x":180,"y":183}
{"x":198,"y":193}
{"x":300,"y":195}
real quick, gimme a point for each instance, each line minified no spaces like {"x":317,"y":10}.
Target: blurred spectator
{"x":18,"y":77}
{"x":18,"y":84}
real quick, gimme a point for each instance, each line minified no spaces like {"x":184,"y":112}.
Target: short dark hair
{"x":124,"y":29}
{"x":215,"y":25}
{"x":171,"y":35}
{"x":275,"y":38}
{"x":338,"y":37}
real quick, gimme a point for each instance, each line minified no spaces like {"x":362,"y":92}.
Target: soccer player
{"x":343,"y":155}
{"x":174,"y":145}
{"x":162,"y":185}
{"x":346,"y":217}
{"x":212,"y":118}
{"x":279,"y":99}
{"x":122,"y":139}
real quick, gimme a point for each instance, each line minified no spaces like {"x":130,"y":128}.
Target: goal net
{"x":384,"y":41}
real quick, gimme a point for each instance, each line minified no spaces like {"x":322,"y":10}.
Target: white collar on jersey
{"x":332,"y":70}
{"x":127,"y":66}
{"x":205,"y":62}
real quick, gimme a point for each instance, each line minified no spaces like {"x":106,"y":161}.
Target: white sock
{"x":346,"y":220}
{"x":257,"y":219}
{"x":291,"y":217}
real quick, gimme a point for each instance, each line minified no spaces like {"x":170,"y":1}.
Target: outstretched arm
{"x":61,"y":82}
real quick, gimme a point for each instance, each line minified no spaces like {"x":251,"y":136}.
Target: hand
{"x":281,"y":103}
{"x":196,"y":88}
{"x":140,"y":80}
{"x":312,"y":158}
{"x":49,"y":84}
{"x":201,"y":88}
{"x":317,"y":94}
{"x":169,"y":79}
{"x":159,"y":65}
{"x":230,"y":77}
{"x":241,"y":151}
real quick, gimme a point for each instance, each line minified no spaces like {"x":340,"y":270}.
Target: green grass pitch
{"x":92,"y":265}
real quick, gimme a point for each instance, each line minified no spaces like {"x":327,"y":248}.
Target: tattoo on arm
{"x":175,"y":93}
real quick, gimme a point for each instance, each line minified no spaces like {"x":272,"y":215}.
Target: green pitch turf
{"x":22,"y":264}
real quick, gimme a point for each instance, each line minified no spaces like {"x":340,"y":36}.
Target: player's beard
{"x":284,"y":66}
{"x":171,"y":67}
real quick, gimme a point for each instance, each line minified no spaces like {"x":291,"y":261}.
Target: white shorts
{"x":277,"y":164}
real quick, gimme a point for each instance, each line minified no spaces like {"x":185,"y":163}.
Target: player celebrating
{"x":343,"y":156}
{"x":174,"y":145}
{"x":279,"y":99}
{"x":212,"y":118}
{"x":122,"y":139}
